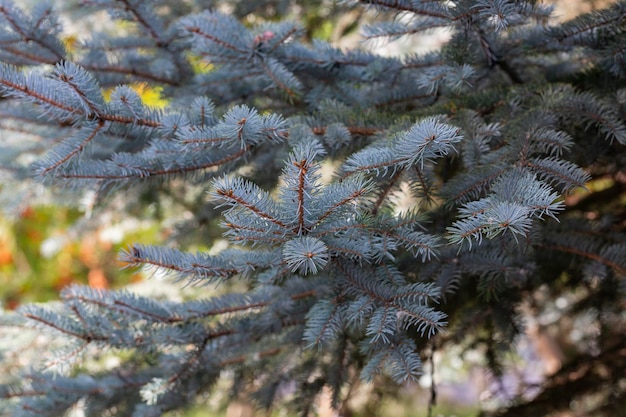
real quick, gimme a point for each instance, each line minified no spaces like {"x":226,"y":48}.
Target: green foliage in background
{"x":41,"y":252}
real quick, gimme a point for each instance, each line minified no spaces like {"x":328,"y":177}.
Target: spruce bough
{"x":376,"y":208}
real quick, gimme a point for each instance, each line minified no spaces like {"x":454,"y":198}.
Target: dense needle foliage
{"x":377,"y":208}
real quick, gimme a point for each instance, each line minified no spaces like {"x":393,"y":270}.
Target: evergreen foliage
{"x":491,"y":140}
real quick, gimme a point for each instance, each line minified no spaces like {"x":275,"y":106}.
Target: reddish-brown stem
{"x":212,"y":38}
{"x":589,"y":255}
{"x":358,"y":193}
{"x":276,"y":81}
{"x":230,"y":195}
{"x":75,"y":151}
{"x":385,"y":192}
{"x":128,"y":71}
{"x":25,"y":36}
{"x":303,"y":167}
{"x":140,"y":19}
{"x":55,"y":326}
{"x":159,"y":172}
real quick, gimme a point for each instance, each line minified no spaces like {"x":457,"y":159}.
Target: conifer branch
{"x":402,"y":99}
{"x":354,"y":130}
{"x":134,"y":72}
{"x":279,"y":76}
{"x":428,"y":322}
{"x":30,"y":56}
{"x":27,"y":91}
{"x":87,"y":338}
{"x":620,"y":269}
{"x":183,"y":313}
{"x":382,"y":196}
{"x":589,"y":24}
{"x":236,"y":195}
{"x":142,"y":172}
{"x":303,"y":167}
{"x":244,"y":358}
{"x":17,"y":84}
{"x":353,"y":197}
{"x":130,"y":120}
{"x":29,"y":37}
{"x":405,"y":6}
{"x":155,"y":33}
{"x":322,"y":262}
{"x":76,"y":151}
{"x":425,"y":188}
{"x":334,"y":230}
{"x":232,"y":78}
{"x":213,"y":38}
{"x":476,"y":187}
{"x":378,"y":166}
{"x":285,"y":36}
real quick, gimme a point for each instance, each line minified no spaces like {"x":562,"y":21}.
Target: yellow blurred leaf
{"x":150,"y":96}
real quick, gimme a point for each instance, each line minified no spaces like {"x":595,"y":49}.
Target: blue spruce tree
{"x":331,"y":278}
